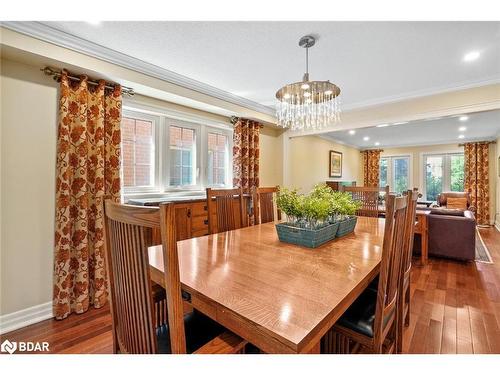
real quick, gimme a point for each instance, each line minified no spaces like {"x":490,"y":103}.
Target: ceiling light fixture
{"x":463,"y":118}
{"x":366,"y":138}
{"x":471,"y":56}
{"x":352,"y":132}
{"x":461,"y":136}
{"x":377,"y":143}
{"x":382,"y":125}
{"x":462,"y":129}
{"x":314,"y":109}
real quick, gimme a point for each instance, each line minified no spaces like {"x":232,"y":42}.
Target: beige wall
{"x":308,"y":159}
{"x":27,"y":181}
{"x":417,"y":173}
{"x":497,"y":179}
{"x":28,"y":122}
{"x":271,"y":158}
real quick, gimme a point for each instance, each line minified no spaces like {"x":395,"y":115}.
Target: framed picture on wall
{"x":335,"y":164}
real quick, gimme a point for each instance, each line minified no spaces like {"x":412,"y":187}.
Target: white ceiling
{"x":372,"y":62}
{"x":479,"y":126}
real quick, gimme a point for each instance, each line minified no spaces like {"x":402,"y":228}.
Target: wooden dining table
{"x":280,"y":297}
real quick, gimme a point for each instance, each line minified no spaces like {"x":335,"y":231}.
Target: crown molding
{"x":49,"y":34}
{"x":422,"y":93}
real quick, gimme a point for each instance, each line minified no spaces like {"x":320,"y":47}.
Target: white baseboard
{"x":26,"y":317}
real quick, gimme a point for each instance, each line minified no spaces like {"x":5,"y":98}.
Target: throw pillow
{"x":458,"y":203}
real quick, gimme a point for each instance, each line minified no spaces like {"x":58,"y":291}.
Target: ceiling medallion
{"x":307,"y":105}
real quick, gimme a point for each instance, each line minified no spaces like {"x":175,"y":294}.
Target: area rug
{"x":482,"y":253}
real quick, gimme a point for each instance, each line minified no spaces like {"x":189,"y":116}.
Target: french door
{"x":395,"y":172}
{"x":443,"y":172}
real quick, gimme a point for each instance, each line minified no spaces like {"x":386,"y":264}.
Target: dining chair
{"x":369,"y":324}
{"x":223,"y":214}
{"x":404,"y":282}
{"x":128,"y":234}
{"x":369,"y":198}
{"x":264,"y":204}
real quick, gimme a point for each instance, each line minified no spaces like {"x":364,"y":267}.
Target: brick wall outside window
{"x":137,"y":152}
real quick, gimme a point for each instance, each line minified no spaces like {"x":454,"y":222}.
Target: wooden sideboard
{"x":191,"y":215}
{"x":335,"y":185}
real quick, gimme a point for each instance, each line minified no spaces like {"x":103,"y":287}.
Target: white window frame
{"x":156,"y":120}
{"x":202,"y":126}
{"x":390,"y":169}
{"x":228,"y":177}
{"x":165,"y":156}
{"x":446,"y":172}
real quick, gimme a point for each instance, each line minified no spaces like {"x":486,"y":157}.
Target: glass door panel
{"x":434,"y":174}
{"x":457,"y":172}
{"x":401,"y":168}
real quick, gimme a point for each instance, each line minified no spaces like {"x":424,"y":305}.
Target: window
{"x":443,"y":172}
{"x":163,"y":153}
{"x":138,"y":152}
{"x":217,"y":159}
{"x":182,"y":154}
{"x":395,"y":172}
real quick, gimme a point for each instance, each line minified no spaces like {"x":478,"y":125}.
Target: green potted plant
{"x":314,"y":219}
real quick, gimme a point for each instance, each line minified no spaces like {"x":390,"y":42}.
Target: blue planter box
{"x":306,"y":237}
{"x":346,"y":226}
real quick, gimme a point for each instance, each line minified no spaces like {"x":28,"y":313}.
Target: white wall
{"x":308,"y":162}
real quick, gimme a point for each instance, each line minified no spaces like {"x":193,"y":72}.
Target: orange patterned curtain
{"x":477,"y":179}
{"x":88,"y":168}
{"x":371,"y":161}
{"x":246,"y":154}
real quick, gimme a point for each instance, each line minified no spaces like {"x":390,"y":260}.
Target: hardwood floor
{"x":455,"y":309}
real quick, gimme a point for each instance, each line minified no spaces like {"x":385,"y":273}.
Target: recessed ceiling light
{"x":377,"y":143}
{"x":461,"y":136}
{"x":352,"y":132}
{"x":462,"y":129}
{"x":463,"y":118}
{"x":366,"y":138}
{"x":382,"y":125}
{"x":401,"y":123}
{"x":471,"y":56}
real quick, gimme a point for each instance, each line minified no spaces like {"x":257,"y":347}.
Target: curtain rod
{"x":481,"y":143}
{"x":235,"y":119}
{"x":48,"y":71}
{"x":371,"y":149}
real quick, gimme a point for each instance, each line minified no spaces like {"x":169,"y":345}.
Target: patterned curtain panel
{"x":246,"y":154}
{"x":477,"y":182}
{"x":88,"y":169}
{"x":371,"y":161}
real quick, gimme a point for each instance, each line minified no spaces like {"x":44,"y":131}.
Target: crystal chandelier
{"x":307,"y":105}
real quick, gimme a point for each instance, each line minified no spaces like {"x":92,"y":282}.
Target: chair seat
{"x":361,"y":315}
{"x":199,"y":330}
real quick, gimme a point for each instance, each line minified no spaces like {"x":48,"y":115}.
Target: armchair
{"x":442,"y":199}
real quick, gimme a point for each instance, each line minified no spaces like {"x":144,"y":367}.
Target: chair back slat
{"x":221,"y":205}
{"x":129,"y":233}
{"x":390,"y":269}
{"x":368,"y":196}
{"x":412,"y":196}
{"x":265,"y":209}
